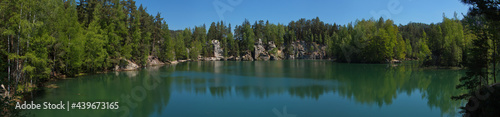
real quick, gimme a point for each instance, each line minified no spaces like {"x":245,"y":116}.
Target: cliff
{"x":269,"y":51}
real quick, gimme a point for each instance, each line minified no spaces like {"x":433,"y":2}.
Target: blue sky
{"x":180,"y":14}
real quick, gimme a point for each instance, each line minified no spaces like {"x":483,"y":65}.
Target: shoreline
{"x":46,"y":83}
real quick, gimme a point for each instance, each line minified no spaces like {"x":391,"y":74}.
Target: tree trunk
{"x":18,"y":41}
{"x":495,"y":57}
{"x":28,"y":43}
{"x":495,"y":60}
{"x":8,"y":63}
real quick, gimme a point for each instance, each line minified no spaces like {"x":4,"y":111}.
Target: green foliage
{"x":212,"y":32}
{"x":168,"y":51}
{"x":180,"y":47}
{"x":233,"y":47}
{"x":367,"y":41}
{"x":246,"y":36}
{"x":199,"y":38}
{"x":481,"y":56}
{"x":7,"y":106}
{"x":95,"y":43}
{"x":409,"y":50}
{"x":453,"y":41}
{"x":37,"y":57}
{"x":123,"y":63}
{"x":68,"y":38}
{"x":249,"y":37}
{"x":274,"y":51}
{"x":195,"y":50}
{"x":424,"y":52}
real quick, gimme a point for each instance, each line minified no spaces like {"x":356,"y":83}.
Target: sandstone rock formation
{"x":247,"y":57}
{"x":260,"y":51}
{"x":126,"y":65}
{"x":154,"y":61}
{"x":217,"y":50}
{"x":302,"y":50}
{"x":274,"y":52}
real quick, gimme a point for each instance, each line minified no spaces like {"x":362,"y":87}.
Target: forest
{"x":43,"y":39}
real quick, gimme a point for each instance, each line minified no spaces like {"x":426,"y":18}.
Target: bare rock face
{"x":174,"y":62}
{"x":233,"y":58}
{"x":274,"y":53}
{"x":154,"y":61}
{"x":264,"y":57}
{"x":260,"y":51}
{"x":217,"y":50}
{"x":217,"y":53}
{"x":307,"y":51}
{"x":299,"y":48}
{"x":210,"y":59}
{"x":319,"y":52}
{"x":271,"y":45}
{"x":200,"y":58}
{"x":247,"y":57}
{"x":279,"y":55}
{"x":290,"y":57}
{"x":126,"y":65}
{"x":131,"y":66}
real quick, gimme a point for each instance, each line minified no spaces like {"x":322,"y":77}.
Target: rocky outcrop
{"x":303,"y":50}
{"x":317,"y":53}
{"x":270,"y":51}
{"x":260,"y":51}
{"x":211,"y":59}
{"x":126,"y":65}
{"x":290,"y":56}
{"x":274,"y":52}
{"x":179,"y":61}
{"x":271,"y":45}
{"x":393,"y":61}
{"x":154,"y":61}
{"x":232,"y":58}
{"x":217,"y":50}
{"x":279,"y":55}
{"x":247,"y":57}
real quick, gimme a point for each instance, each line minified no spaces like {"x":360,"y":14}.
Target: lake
{"x":288,"y":88}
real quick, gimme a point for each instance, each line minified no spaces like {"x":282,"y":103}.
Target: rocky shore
{"x":262,"y":52}
{"x":269,"y":51}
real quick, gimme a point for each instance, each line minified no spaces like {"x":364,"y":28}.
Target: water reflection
{"x":377,"y":85}
{"x":367,"y":84}
{"x":112,"y":87}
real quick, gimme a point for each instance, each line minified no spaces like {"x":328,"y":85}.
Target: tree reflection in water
{"x":368,"y":84}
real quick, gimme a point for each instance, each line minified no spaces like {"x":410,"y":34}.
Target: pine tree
{"x":168,"y":53}
{"x":95,"y":43}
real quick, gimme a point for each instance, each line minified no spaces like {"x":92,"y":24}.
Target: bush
{"x":123,"y":63}
{"x":274,"y":51}
{"x":7,"y":108}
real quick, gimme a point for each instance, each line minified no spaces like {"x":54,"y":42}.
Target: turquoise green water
{"x":302,"y":88}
